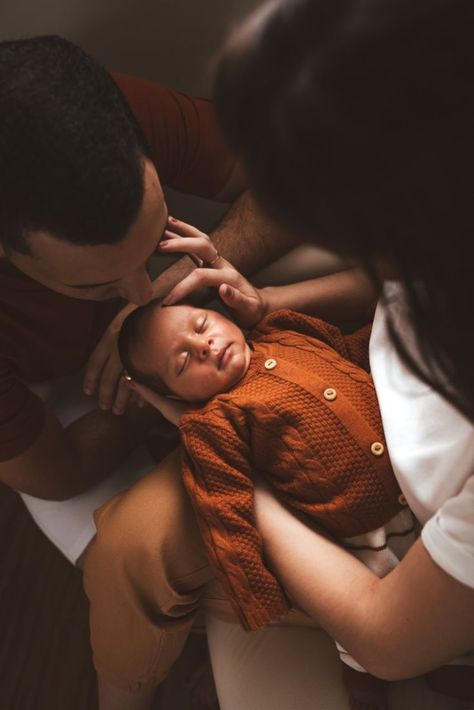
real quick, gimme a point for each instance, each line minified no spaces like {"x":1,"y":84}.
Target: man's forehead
{"x":89,"y":265}
{"x":72,"y":262}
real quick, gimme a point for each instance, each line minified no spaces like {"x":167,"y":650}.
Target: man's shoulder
{"x":42,"y":333}
{"x":182,"y":135}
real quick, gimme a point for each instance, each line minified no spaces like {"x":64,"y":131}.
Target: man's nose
{"x":137,"y":288}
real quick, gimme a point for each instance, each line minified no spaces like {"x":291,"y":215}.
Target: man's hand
{"x":172,"y":409}
{"x":247,"y":303}
{"x":104,"y":368}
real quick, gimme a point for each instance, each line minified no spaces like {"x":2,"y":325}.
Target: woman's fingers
{"x":184,"y":229}
{"x":247,"y":307}
{"x":213,"y":271}
{"x":184,"y":238}
{"x":198,"y":278}
{"x":201,"y":247}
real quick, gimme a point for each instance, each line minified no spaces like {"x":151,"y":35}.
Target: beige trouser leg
{"x":296,"y":668}
{"x":275,"y":668}
{"x":147,"y":575}
{"x":144,"y":574}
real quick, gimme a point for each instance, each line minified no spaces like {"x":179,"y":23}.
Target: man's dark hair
{"x":133,"y":333}
{"x":71,"y":152}
{"x":354,"y":120}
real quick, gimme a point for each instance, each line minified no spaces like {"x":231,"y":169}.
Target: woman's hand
{"x":171,"y":409}
{"x":247,"y":303}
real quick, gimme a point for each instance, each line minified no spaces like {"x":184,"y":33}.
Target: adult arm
{"x":345,"y":296}
{"x":62,"y":463}
{"x":349,"y":295}
{"x":411,"y":621}
{"x":246,"y":237}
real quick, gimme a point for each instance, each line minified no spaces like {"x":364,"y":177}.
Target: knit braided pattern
{"x":315,"y":454}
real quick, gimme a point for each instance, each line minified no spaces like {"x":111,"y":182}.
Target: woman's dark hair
{"x":134,"y":334}
{"x":71,"y":152}
{"x":354,"y":120}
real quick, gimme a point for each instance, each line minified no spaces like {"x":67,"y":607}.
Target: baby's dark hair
{"x":71,"y":152}
{"x":134,"y":331}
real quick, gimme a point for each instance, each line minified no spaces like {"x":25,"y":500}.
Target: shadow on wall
{"x":171,"y":40}
{"x":168,"y":40}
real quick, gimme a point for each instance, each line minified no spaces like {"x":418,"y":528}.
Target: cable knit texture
{"x":313,"y":448}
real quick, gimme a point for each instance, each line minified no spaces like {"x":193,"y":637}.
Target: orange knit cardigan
{"x":305,"y":418}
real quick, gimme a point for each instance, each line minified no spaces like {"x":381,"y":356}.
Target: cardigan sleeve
{"x":217,"y":470}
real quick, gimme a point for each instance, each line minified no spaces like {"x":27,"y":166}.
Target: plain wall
{"x":167,"y":40}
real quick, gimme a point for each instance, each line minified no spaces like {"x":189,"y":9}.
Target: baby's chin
{"x":239,"y":370}
{"x":236,"y":370}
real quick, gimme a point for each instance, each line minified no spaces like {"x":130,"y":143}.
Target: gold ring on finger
{"x":217,"y":256}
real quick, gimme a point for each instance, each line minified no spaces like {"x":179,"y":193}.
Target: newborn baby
{"x":292,"y":404}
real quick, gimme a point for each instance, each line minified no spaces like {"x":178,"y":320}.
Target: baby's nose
{"x":204,"y":346}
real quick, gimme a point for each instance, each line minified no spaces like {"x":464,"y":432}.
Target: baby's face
{"x":198,"y":353}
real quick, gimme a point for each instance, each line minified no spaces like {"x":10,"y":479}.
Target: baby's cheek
{"x":209,"y":386}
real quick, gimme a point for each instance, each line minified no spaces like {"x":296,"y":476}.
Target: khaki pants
{"x":294,"y":668}
{"x":147,"y":575}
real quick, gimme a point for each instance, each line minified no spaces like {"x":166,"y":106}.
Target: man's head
{"x":193,"y":353}
{"x":82,"y":208}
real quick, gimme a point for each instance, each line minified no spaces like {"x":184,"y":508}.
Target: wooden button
{"x":330,"y":394}
{"x":270,"y":363}
{"x":377,"y":448}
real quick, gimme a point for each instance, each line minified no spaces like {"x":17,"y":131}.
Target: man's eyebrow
{"x":103,"y":283}
{"x":114,"y":281}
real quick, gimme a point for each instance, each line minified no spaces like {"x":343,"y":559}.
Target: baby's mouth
{"x":222,"y":358}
